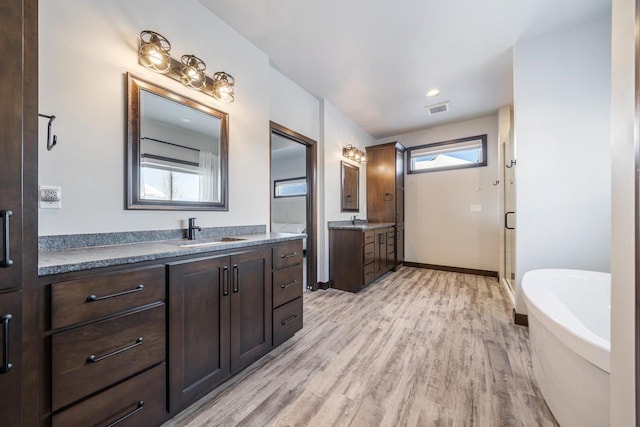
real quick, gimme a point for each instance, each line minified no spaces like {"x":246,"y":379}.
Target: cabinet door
{"x":381,"y":252}
{"x":251,"y":308}
{"x":10,"y":372}
{"x":198,"y":328}
{"x":11,"y":103}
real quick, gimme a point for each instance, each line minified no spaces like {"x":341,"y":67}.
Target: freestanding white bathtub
{"x":569,"y":329}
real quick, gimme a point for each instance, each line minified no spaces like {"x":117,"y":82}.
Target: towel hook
{"x":511,"y":164}
{"x":50,"y":143}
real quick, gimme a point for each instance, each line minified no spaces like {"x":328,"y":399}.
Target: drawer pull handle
{"x":369,"y":273}
{"x":139,"y":407}
{"x":6,"y":239}
{"x":93,"y":358}
{"x":288,"y":285}
{"x":369,"y":253}
{"x":288,"y":320}
{"x":289,"y":255}
{"x":93,"y":298}
{"x":6,"y":366}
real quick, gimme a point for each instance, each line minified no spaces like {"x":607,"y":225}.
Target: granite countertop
{"x":362,"y":226}
{"x":77,"y":259}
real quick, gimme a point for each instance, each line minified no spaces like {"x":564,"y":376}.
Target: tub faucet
{"x":192,"y":227}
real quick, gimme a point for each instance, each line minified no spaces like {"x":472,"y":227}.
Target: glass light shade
{"x":192,"y":72}
{"x":153,"y":52}
{"x":223,"y":87}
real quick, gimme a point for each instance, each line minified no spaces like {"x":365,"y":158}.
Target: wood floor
{"x":417,"y":348}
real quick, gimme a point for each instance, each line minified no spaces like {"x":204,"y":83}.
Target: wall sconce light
{"x":355,"y":154}
{"x":223,"y":86}
{"x":153,"y":54}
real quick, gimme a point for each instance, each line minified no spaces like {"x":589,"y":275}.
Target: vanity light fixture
{"x":223,"y":86}
{"x":192,"y":72}
{"x":355,"y":154}
{"x":153,"y":54}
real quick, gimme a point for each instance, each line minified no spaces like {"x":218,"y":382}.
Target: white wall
{"x":440,"y":229}
{"x":562,"y":112}
{"x":338,"y":131}
{"x":86,"y":47}
{"x":293,"y":107}
{"x":623,"y":230}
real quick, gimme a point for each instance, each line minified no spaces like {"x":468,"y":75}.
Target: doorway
{"x":293,"y":200}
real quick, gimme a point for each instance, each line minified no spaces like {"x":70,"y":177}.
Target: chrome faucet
{"x":192,"y":227}
{"x":353,"y":220}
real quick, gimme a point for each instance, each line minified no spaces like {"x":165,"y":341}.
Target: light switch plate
{"x":50,"y":197}
{"x":475,"y":208}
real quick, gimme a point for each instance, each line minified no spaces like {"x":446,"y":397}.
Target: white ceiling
{"x":376,"y":59}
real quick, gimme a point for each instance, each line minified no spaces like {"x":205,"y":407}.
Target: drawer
{"x":369,"y":273}
{"x":391,"y":233}
{"x":287,"y":320}
{"x":139,"y":401}
{"x":95,"y":297}
{"x":391,"y":246}
{"x":95,"y":356}
{"x":287,"y":255}
{"x":287,"y":285}
{"x":369,"y":253}
{"x":369,"y":237}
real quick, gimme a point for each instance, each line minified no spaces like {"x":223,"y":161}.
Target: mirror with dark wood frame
{"x":349,"y":188}
{"x":177,"y":151}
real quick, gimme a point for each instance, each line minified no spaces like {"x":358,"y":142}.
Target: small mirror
{"x":177,"y":151}
{"x":349,"y":190}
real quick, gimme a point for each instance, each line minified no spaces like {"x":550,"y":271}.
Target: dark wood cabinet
{"x":107,"y":330}
{"x":357,"y":258}
{"x":18,"y":211}
{"x":385,"y":191}
{"x":251,"y":308}
{"x":287,"y":291}
{"x":199,"y":328}
{"x":220,"y":320}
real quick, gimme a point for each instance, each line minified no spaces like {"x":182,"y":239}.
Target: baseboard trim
{"x":486,"y":273}
{"x":520,"y":319}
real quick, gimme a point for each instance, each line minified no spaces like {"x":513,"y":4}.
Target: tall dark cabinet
{"x":385,"y":190}
{"x":18,"y":210}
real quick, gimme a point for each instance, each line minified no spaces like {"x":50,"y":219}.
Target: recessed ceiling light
{"x":184,"y":119}
{"x":433,"y":92}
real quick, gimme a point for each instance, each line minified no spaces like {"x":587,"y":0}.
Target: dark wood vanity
{"x":138,"y":343}
{"x":358,"y":256}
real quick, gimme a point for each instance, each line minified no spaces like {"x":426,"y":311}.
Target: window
{"x":290,"y":187}
{"x":169,"y":179}
{"x":470,"y":152}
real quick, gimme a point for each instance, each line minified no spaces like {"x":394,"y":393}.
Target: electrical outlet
{"x":50,"y":197}
{"x":475,"y":208}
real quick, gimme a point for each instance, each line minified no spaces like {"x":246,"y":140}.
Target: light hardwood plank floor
{"x":417,"y":348}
